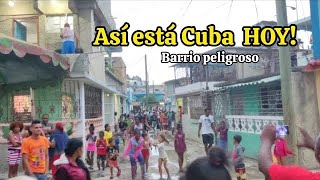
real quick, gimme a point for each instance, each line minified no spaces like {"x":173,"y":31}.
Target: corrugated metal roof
{"x":264,"y":80}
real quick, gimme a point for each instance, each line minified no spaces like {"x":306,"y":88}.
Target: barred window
{"x":93,"y":102}
{"x":196,"y":108}
{"x":237,"y":101}
{"x":22,"y":107}
{"x":271,"y":102}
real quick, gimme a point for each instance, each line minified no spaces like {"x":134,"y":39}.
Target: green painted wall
{"x":251,"y":100}
{"x":251,"y":143}
{"x":5,"y":107}
{"x":48,"y":101}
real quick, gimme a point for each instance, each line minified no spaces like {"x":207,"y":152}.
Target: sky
{"x":225,"y":15}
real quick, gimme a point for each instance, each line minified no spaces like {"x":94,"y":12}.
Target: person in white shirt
{"x":207,"y":128}
{"x":68,"y":36}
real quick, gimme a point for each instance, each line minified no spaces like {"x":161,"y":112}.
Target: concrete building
{"x":89,"y":93}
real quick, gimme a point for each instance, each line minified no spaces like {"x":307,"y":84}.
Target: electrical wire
{"x":230,"y":7}
{"x":187,"y":8}
{"x":255,"y":5}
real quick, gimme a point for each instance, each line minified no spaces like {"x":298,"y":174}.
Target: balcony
{"x":251,"y":124}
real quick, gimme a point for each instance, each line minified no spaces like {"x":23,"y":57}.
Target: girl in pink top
{"x":91,"y":146}
{"x":134,"y":148}
{"x":281,"y":149}
{"x":180,"y":145}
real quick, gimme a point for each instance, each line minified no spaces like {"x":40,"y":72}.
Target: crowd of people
{"x":46,"y":149}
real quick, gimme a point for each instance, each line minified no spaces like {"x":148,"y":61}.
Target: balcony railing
{"x":97,"y":123}
{"x":252,"y":124}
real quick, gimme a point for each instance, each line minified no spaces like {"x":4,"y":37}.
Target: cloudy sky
{"x":226,"y":15}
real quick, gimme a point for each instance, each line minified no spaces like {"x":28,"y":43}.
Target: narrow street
{"x":194,"y":151}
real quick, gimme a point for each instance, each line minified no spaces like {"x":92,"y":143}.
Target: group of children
{"x":138,"y":148}
{"x":280,"y":149}
{"x":140,"y":145}
{"x":106,"y":149}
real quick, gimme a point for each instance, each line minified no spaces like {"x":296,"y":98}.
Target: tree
{"x":151,"y":99}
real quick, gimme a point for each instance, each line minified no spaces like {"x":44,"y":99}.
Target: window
{"x":93,"y":102}
{"x":20,"y":31}
{"x":237,"y":103}
{"x":56,"y":23}
{"x":271,"y":102}
{"x":22,"y":107}
{"x":26,"y":29}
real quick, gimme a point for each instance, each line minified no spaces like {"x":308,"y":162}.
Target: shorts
{"x":207,"y":139}
{"x":39,"y":176}
{"x":223,"y":145}
{"x":101,"y":157}
{"x":68,"y":47}
{"x":113,"y":163}
{"x":241,"y":172}
{"x":14,"y":157}
{"x":133,"y":161}
{"x":145,"y":153}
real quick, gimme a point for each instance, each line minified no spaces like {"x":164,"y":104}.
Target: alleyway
{"x":194,"y":151}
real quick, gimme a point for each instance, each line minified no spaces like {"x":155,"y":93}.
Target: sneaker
{"x":119,"y":173}
{"x":111,"y":177}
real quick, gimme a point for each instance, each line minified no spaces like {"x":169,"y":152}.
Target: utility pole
{"x":285,"y":73}
{"x":147,"y":87}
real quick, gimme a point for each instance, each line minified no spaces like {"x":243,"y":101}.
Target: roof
{"x":22,"y":48}
{"x":246,"y":80}
{"x":113,"y":76}
{"x":264,"y":80}
{"x":143,"y":93}
{"x":173,"y":80}
{"x":266,"y":23}
{"x":303,"y":24}
{"x":267,"y":78}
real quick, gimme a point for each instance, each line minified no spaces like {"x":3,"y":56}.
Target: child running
{"x":101,"y":153}
{"x":113,"y":158}
{"x":134,"y":148}
{"x":180,"y":145}
{"x":91,"y":148}
{"x":238,"y":158}
{"x":223,"y":136}
{"x":163,"y":157}
{"x":146,"y":149}
{"x":281,"y":150}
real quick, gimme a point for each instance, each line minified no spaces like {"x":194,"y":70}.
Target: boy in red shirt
{"x":279,"y":172}
{"x":101,"y":153}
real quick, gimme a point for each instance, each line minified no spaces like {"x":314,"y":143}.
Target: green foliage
{"x":151,"y":99}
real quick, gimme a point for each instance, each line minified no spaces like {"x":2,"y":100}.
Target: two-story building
{"x":76,"y":94}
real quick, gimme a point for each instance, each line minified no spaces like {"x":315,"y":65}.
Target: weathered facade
{"x":81,"y":94}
